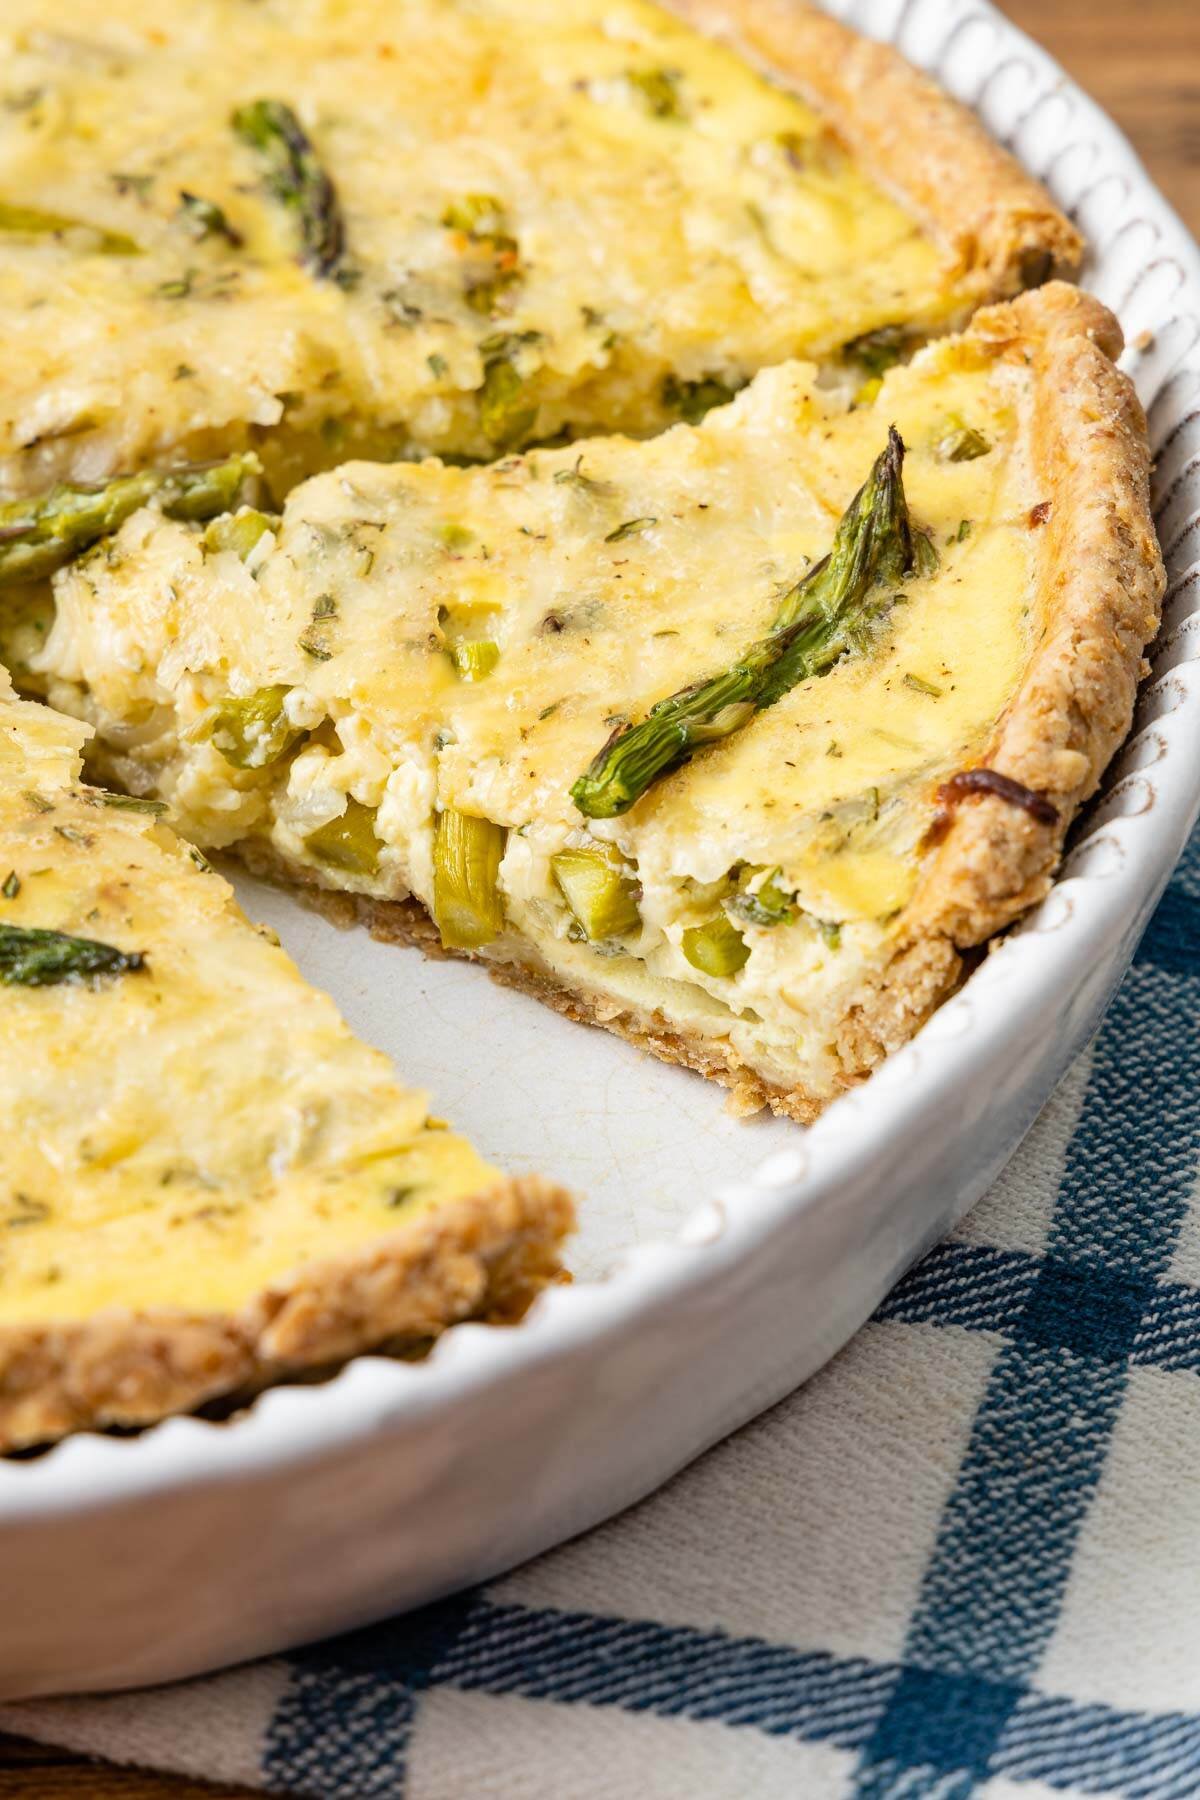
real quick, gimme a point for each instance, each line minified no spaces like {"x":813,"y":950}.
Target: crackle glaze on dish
{"x":396,"y":1482}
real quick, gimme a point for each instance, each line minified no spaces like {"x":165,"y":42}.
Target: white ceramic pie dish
{"x":718,"y":1264}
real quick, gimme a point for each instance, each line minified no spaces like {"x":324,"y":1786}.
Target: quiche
{"x":324,"y":228}
{"x":738,"y":741}
{"x":205,"y":1182}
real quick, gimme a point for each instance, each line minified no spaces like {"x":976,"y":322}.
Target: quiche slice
{"x":206,"y":1183}
{"x":737,"y":741}
{"x":380,"y":227}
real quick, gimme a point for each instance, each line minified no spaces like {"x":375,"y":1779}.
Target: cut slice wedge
{"x":395,"y":225}
{"x":208,"y":1184}
{"x":787,"y":711}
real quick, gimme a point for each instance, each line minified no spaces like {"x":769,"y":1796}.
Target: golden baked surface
{"x":415,"y":644}
{"x":543,"y":215}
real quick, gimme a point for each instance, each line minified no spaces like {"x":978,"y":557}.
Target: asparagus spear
{"x":827,"y":614}
{"x":31,"y":957}
{"x":960,"y":442}
{"x":475,"y":658}
{"x":252,"y":731}
{"x":40,"y":534}
{"x":598,"y":891}
{"x":240,"y":531}
{"x":296,"y":179}
{"x":717,"y":948}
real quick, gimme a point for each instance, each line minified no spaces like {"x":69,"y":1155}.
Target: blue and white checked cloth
{"x":963,"y":1562}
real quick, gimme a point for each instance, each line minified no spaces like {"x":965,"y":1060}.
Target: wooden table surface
{"x":1141,"y":60}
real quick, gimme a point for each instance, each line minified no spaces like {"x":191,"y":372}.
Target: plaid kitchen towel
{"x":964,"y":1561}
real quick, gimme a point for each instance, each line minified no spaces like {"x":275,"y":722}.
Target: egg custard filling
{"x":205,"y":1180}
{"x":662,"y":729}
{"x":327,"y":228}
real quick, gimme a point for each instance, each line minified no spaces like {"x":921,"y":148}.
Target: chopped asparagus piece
{"x":30,"y":957}
{"x":33,"y":222}
{"x":658,"y":91}
{"x":959,"y":442}
{"x":478,"y":215}
{"x":467,"y":906}
{"x":476,"y":658}
{"x":348,"y":842}
{"x":826,"y":615}
{"x":763,"y":902}
{"x":717,"y":948}
{"x":296,"y":179}
{"x":239,"y":531}
{"x":878,"y":351}
{"x":598,"y":891}
{"x":252,"y":731}
{"x":693,"y":399}
{"x":505,"y":415}
{"x":41,"y":533}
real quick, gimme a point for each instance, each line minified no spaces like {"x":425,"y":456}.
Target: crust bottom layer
{"x":484,"y":1256}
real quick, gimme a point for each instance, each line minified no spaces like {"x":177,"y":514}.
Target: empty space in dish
{"x":640,"y":1142}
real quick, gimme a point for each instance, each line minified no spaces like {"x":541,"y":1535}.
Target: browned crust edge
{"x":1099,"y":584}
{"x":480,"y":1257}
{"x":928,"y":150}
{"x":1098,"y":589}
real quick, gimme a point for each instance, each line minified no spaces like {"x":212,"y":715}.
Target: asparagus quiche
{"x":737,"y":741}
{"x":384,"y":227}
{"x":207,"y":1183}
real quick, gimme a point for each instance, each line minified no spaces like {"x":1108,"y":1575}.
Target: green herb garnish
{"x":204,"y":218}
{"x":127,"y":802}
{"x":629,"y":529}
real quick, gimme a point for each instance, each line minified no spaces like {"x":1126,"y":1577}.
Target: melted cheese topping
{"x":608,"y":576}
{"x":185,"y":1133}
{"x":653,"y":215}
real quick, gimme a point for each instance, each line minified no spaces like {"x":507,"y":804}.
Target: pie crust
{"x":911,"y":137}
{"x":482,"y":1256}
